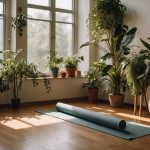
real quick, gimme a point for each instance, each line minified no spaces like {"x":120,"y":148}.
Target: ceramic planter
{"x":116,"y":100}
{"x":93,"y":94}
{"x":54,"y":72}
{"x":70,"y":71}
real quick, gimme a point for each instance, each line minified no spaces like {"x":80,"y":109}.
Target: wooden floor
{"x":25,"y":129}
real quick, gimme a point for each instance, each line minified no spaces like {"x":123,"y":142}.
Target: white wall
{"x":61,"y":89}
{"x":89,"y":52}
{"x":83,"y":33}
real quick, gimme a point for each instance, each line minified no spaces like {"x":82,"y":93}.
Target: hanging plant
{"x":19,"y":22}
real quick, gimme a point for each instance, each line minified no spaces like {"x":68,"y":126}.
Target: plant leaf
{"x":145,"y":44}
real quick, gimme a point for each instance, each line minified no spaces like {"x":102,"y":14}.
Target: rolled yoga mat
{"x":95,"y":117}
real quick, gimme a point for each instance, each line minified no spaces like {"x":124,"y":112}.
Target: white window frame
{"x":53,"y":21}
{"x":4,"y":23}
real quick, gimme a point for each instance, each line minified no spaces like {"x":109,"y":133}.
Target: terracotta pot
{"x":70,"y":71}
{"x":77,"y":73}
{"x":93,"y":94}
{"x":116,"y":100}
{"x":63,"y":74}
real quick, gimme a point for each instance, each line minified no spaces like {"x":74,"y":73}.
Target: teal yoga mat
{"x":98,"y":118}
{"x":132,"y":130}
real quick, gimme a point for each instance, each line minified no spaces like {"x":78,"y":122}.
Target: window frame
{"x":52,"y":8}
{"x":4,"y":22}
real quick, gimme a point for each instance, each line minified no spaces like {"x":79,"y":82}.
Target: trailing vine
{"x":19,"y":22}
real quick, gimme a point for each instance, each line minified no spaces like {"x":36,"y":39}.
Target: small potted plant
{"x":53,"y":62}
{"x":115,"y":83}
{"x":15,"y":71}
{"x":93,"y":81}
{"x":71,"y":64}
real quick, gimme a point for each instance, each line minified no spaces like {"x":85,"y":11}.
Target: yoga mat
{"x":98,"y":118}
{"x":132,"y":130}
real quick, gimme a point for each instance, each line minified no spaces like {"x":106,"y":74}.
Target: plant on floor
{"x":93,"y":80}
{"x":106,"y":28}
{"x":15,"y":71}
{"x":138,"y":71}
{"x":54,"y":62}
{"x":71,"y":64}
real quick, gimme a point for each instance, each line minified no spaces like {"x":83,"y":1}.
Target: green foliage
{"x":93,"y":76}
{"x":105,"y":15}
{"x":15,"y":71}
{"x":72,"y":61}
{"x":114,"y":79}
{"x":19,"y":22}
{"x":138,"y":70}
{"x":53,"y":60}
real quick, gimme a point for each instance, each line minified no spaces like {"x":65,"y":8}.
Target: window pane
{"x":39,"y":2}
{"x":38,"y":43}
{"x":64,"y":17}
{"x":1,"y":34}
{"x":1,"y":8}
{"x":38,"y":14}
{"x":64,"y":39}
{"x":64,"y":4}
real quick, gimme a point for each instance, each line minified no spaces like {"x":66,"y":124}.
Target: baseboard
{"x":66,"y":100}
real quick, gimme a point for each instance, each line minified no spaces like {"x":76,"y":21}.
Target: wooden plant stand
{"x":141,"y":99}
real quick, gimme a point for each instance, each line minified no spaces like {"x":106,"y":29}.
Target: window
{"x":1,"y":25}
{"x":39,"y":26}
{"x":50,"y":28}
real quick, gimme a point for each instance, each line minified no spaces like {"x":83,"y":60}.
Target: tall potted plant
{"x":71,"y":64}
{"x":15,"y":71}
{"x":53,"y":62}
{"x":117,"y":48}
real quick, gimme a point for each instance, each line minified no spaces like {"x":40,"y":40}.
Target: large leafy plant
{"x":104,"y":17}
{"x":114,"y":79}
{"x":15,"y":71}
{"x":118,"y":45}
{"x":138,"y":70}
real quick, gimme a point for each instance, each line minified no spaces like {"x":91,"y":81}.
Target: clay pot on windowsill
{"x":70,"y":71}
{"x":63,"y":74}
{"x":77,"y":73}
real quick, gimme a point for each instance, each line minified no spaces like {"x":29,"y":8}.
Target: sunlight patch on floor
{"x":26,"y":122}
{"x":133,"y":117}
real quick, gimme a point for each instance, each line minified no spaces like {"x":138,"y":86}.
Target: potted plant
{"x":115,"y":83}
{"x":116,"y":50}
{"x":53,"y":62}
{"x":71,"y":64}
{"x":15,"y":71}
{"x":93,"y":81}
{"x":138,"y":74}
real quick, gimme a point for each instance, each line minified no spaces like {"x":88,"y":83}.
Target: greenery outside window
{"x":50,"y":28}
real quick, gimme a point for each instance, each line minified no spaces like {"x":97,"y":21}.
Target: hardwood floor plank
{"x":25,"y":129}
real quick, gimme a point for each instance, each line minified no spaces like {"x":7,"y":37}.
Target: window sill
{"x":49,"y":77}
